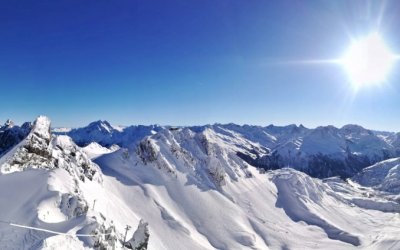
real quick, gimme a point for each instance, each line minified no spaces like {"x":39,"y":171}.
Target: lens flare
{"x":368,"y":61}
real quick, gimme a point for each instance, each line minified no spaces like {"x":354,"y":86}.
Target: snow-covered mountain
{"x":384,"y":176}
{"x":203,"y":187}
{"x":94,"y":150}
{"x":11,"y":135}
{"x":47,"y":182}
{"x":107,"y":135}
{"x":200,"y":187}
{"x":321,"y":152}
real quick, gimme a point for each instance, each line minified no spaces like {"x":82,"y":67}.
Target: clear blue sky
{"x":191,"y":62}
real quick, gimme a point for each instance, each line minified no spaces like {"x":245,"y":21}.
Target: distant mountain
{"x":395,"y":141}
{"x":11,"y":135}
{"x":320,"y":152}
{"x":107,"y":135}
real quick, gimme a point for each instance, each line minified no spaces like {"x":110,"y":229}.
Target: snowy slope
{"x":94,"y":150}
{"x":241,"y":208}
{"x":384,"y":176}
{"x":182,"y":188}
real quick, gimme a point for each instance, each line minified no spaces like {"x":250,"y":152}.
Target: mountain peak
{"x":353,"y":128}
{"x":99,"y":122}
{"x":101,"y":125}
{"x":9,"y":123}
{"x":356,"y":130}
{"x":41,"y":127}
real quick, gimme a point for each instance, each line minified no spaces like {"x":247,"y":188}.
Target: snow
{"x":41,"y":127}
{"x":30,"y":188}
{"x":94,"y":150}
{"x":384,"y":176}
{"x":105,"y":134}
{"x":65,"y":242}
{"x":49,"y":212}
{"x":61,"y":130}
{"x":304,"y":212}
{"x":189,"y":189}
{"x":140,"y":237}
{"x":347,"y":149}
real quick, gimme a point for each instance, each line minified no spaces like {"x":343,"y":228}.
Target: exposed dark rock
{"x":140,"y":238}
{"x":146,"y":151}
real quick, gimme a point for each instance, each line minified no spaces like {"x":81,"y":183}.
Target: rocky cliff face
{"x":208,"y":157}
{"x":321,"y":152}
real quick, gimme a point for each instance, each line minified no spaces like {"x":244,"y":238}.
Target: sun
{"x":368,"y":61}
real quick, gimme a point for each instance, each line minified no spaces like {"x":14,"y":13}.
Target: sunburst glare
{"x":368,"y":61}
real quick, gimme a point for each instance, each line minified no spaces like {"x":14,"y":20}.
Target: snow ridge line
{"x":50,"y":231}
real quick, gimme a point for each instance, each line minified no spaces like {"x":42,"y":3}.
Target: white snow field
{"x":94,"y":150}
{"x":185,"y":189}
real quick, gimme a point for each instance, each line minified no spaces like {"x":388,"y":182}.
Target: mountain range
{"x":221,"y":186}
{"x":321,"y":152}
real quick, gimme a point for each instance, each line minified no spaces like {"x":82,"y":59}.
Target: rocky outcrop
{"x":147,"y":150}
{"x":73,"y":205}
{"x":102,"y":231}
{"x":41,"y":150}
{"x":68,"y":155}
{"x":34,"y":152}
{"x":140,"y":238}
{"x":208,"y":157}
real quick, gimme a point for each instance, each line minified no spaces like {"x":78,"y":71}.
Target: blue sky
{"x":191,"y":62}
